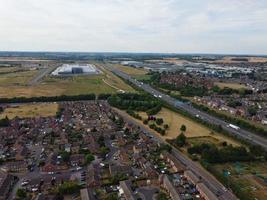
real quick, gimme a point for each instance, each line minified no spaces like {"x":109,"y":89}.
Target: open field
{"x":8,"y":69}
{"x":30,"y":110}
{"x":131,"y":70}
{"x":230,"y":59}
{"x":16,"y":78}
{"x":15,"y":85}
{"x":236,"y":86}
{"x":115,"y":81}
{"x":248,"y":176}
{"x":175,"y":121}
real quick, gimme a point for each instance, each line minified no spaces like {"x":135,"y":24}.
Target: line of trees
{"x":133,"y":114}
{"x":4,"y":122}
{"x":48,"y":99}
{"x":135,"y":102}
{"x":212,"y":154}
{"x":242,"y":123}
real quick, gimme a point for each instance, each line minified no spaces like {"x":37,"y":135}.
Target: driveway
{"x":147,"y":193}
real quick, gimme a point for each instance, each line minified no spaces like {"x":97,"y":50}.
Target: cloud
{"x":222,"y":26}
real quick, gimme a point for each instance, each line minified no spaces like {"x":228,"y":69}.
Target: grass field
{"x":248,"y":176}
{"x":194,"y":130}
{"x":15,"y":85}
{"x":17,"y":79}
{"x":131,"y":70}
{"x":236,"y":86}
{"x":31,"y":110}
{"x":7,"y":69}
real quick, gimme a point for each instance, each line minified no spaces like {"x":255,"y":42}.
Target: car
{"x":34,"y":189}
{"x":78,"y":168}
{"x":24,"y":183}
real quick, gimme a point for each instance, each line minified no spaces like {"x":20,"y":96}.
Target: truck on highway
{"x":234,"y":126}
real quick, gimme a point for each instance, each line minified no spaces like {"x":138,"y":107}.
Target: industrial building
{"x":75,"y":69}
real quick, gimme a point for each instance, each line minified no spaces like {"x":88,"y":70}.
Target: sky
{"x":162,"y":26}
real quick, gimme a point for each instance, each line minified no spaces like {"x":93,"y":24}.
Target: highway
{"x":210,"y":181}
{"x":240,"y":133}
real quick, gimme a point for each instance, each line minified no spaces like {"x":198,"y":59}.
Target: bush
{"x":21,"y":193}
{"x":68,"y":188}
{"x":183,"y":128}
{"x":180,"y":140}
{"x":89,"y":158}
{"x":159,"y":121}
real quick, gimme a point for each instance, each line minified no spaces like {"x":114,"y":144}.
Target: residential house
{"x":126,"y":190}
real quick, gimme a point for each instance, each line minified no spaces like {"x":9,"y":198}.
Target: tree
{"x":159,"y":121}
{"x":4,"y":122}
{"x":181,"y":140}
{"x":21,"y":193}
{"x":65,"y":156}
{"x":183,"y":128}
{"x":68,"y":187}
{"x":166,"y":126}
{"x":162,"y":196}
{"x":104,"y":150}
{"x":252,"y":110}
{"x":89,"y":158}
{"x":112,"y":196}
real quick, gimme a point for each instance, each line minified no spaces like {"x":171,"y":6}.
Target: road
{"x":40,"y":75}
{"x":209,"y":180}
{"x":241,"y":133}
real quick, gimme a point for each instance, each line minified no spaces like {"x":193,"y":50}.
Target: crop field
{"x":30,"y":110}
{"x":193,"y":129}
{"x":15,"y":85}
{"x":251,"y":178}
{"x":236,"y":86}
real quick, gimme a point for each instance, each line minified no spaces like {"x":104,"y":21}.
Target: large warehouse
{"x":75,"y":69}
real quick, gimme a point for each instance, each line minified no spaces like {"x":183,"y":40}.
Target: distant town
{"x":110,"y":126}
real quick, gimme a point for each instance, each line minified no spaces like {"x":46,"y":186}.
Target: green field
{"x":236,"y":86}
{"x":30,"y":110}
{"x":194,"y":130}
{"x":131,"y":70}
{"x":250,"y":179}
{"x":16,"y":85}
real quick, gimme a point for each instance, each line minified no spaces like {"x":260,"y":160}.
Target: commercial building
{"x":76,"y":69}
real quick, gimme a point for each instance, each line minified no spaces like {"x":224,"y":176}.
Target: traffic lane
{"x":211,"y":182}
{"x":243,"y":134}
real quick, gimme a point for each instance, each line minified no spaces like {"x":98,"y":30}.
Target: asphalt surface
{"x":240,"y":133}
{"x":209,"y":180}
{"x":41,"y":74}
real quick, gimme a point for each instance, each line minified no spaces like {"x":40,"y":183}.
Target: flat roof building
{"x":76,"y":69}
